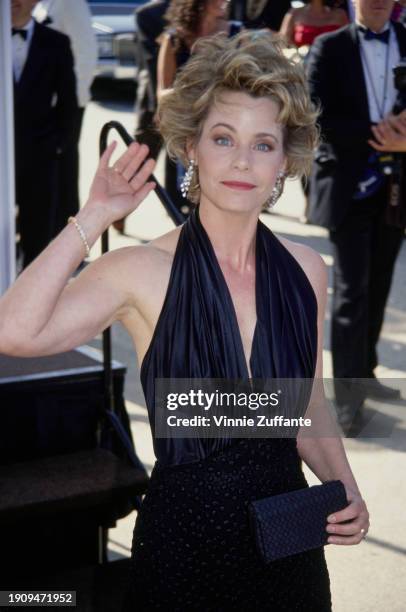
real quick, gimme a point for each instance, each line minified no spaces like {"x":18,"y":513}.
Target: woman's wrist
{"x":93,"y":222}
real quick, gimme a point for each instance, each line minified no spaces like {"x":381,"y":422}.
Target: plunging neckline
{"x":227,"y":293}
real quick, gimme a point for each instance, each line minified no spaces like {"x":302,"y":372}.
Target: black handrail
{"x":176,"y":216}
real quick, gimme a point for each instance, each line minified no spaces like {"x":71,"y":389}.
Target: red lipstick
{"x":238,"y":185}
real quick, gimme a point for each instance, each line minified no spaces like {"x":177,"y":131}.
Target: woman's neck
{"x":232,"y":235}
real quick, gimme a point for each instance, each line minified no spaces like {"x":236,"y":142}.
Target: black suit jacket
{"x":151,"y":23}
{"x":45,"y":96}
{"x":337,"y":83}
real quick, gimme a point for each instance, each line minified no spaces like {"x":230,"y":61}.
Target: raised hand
{"x":120,"y":188}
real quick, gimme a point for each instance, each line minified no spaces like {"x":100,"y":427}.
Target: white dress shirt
{"x":378,"y":61}
{"x":74,"y":19}
{"x":20,"y":49}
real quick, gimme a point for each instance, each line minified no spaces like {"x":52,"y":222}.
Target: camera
{"x":389,"y":163}
{"x":399,"y":74}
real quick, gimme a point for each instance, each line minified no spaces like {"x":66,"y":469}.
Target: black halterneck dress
{"x":192,"y":548}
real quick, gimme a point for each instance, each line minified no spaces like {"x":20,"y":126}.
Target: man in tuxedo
{"x":350,"y":75}
{"x":45,"y":105}
{"x":75,"y":20}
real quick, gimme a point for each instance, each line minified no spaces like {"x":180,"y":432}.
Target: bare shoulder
{"x":312,"y":264}
{"x":142,"y":272}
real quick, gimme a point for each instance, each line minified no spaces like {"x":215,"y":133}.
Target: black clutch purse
{"x":294,"y":522}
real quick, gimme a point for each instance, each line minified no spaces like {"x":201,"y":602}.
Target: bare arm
{"x":166,"y":68}
{"x":323,"y":450}
{"x":287,"y":27}
{"x":42,"y":313}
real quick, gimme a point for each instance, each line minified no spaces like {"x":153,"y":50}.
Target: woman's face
{"x":239,"y":153}
{"x":216,"y":8}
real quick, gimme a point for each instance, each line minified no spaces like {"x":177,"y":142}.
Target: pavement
{"x":370,"y":577}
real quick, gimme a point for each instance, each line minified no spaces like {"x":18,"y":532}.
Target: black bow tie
{"x":370,"y":35}
{"x":22,"y":33}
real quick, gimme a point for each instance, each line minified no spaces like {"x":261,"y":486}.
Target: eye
{"x":222,"y":140}
{"x":264,"y":146}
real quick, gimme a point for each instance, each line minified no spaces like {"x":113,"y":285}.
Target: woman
{"x":301,"y":26}
{"x":188,"y":20}
{"x":218,"y":297}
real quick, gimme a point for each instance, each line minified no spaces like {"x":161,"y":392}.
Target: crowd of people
{"x":227,"y":298}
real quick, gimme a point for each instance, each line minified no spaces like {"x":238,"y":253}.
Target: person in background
{"x":45,"y":108}
{"x":345,"y":5}
{"x":150,"y":23}
{"x":188,"y":21}
{"x":264,"y":14}
{"x":399,"y":11}
{"x":352,"y":196}
{"x":73,"y":19}
{"x":301,"y":26}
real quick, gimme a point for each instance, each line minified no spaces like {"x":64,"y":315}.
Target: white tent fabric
{"x":7,"y":197}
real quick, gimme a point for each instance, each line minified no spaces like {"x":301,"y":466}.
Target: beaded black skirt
{"x":193,"y":549}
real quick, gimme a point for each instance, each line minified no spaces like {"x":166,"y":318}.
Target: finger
{"x":347,"y":514}
{"x":128,"y":154}
{"x":376,"y":145}
{"x":396,"y":124}
{"x":105,"y":158}
{"x":346,"y":540}
{"x":142,"y":175}
{"x":381,"y":131}
{"x":400,"y":128}
{"x":347,"y":530}
{"x":388,"y":132}
{"x":378,"y":136}
{"x":135,"y":162}
{"x":392,"y":121}
{"x":143,"y":192}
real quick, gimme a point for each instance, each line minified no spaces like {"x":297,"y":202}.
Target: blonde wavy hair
{"x":252,"y":63}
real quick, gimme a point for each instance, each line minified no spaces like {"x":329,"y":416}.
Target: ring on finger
{"x":363,"y":532}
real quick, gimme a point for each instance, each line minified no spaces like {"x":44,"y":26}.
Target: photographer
{"x":351,"y":193}
{"x":390,"y":134}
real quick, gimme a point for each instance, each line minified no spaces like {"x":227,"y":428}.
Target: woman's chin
{"x":236,"y":205}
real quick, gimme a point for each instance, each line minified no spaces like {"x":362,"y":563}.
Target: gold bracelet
{"x":81,"y":234}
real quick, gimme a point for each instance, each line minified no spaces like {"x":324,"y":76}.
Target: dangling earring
{"x":187,"y":179}
{"x":276,"y":191}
